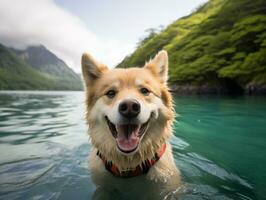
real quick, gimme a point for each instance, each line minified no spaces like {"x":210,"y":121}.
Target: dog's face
{"x":127,"y":109}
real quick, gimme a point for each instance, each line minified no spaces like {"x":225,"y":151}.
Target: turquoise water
{"x":219,"y":146}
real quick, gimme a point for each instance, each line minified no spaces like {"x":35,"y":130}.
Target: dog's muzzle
{"x":129,"y":131}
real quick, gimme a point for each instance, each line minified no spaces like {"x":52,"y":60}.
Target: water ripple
{"x":44,"y":147}
{"x":21,"y":173}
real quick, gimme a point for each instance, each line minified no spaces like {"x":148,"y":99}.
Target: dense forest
{"x":219,"y":48}
{"x":35,"y":68}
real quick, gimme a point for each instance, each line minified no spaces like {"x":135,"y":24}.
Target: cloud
{"x":33,"y":22}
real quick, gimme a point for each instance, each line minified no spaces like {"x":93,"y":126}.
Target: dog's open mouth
{"x":127,"y":135}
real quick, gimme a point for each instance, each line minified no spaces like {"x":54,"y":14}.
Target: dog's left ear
{"x":91,"y":69}
{"x":159,"y":66}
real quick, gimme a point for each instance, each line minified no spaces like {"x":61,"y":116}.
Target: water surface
{"x":219,"y":146}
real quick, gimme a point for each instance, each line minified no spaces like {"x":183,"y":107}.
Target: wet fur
{"x":98,"y":79}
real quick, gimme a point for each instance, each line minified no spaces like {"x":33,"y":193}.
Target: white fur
{"x":100,"y":110}
{"x":164,"y":172}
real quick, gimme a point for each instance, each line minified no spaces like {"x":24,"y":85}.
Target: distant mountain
{"x":40,"y":58}
{"x":219,"y":48}
{"x":35,"y":68}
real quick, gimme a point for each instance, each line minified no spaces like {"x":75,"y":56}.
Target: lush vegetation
{"x":223,"y":41}
{"x":17,"y":74}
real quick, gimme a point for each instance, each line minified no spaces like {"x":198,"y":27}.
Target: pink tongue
{"x":127,"y":137}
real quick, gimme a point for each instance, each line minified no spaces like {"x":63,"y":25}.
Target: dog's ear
{"x":159,"y":66}
{"x":91,"y":69}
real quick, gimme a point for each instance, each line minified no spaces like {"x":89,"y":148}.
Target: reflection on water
{"x":218,"y":146}
{"x":44,"y":146}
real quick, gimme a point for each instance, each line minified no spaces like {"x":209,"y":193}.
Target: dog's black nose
{"x":129,"y":108}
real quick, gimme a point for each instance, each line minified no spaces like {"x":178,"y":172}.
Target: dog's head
{"x":129,"y":111}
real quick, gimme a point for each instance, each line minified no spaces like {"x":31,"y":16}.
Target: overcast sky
{"x":108,"y":29}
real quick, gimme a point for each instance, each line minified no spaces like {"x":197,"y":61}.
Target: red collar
{"x":143,"y":168}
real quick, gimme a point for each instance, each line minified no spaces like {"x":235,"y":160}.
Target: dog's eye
{"x":110,"y":93}
{"x":144,"y":91}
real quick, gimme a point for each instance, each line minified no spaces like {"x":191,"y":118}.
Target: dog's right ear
{"x":91,"y":69}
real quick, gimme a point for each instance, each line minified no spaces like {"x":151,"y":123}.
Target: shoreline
{"x":206,"y":89}
{"x":187,"y":89}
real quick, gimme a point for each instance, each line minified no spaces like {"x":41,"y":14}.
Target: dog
{"x":130,"y":114}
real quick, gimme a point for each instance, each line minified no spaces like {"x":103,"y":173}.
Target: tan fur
{"x":153,"y":75}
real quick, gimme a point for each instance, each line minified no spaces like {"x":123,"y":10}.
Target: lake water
{"x":219,"y":146}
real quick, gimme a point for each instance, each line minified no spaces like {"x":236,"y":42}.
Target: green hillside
{"x":16,"y":74}
{"x":221,"y":47}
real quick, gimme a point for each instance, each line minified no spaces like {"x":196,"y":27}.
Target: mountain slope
{"x":17,"y":73}
{"x":221,"y":47}
{"x":43,"y":60}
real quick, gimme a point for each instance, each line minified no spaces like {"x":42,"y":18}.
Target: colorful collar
{"x":143,"y":168}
